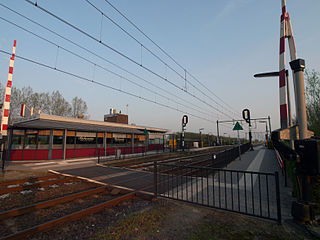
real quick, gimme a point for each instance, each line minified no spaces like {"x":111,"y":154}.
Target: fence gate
{"x":250,"y":193}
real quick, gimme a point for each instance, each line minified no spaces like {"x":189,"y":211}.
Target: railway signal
{"x":185,"y":120}
{"x":246,"y":117}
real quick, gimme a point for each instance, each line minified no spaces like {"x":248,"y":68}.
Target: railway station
{"x":46,"y":137}
{"x":238,"y":162}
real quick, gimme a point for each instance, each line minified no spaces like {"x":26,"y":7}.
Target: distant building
{"x":116,"y":117}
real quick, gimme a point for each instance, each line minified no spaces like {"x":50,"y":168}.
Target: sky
{"x":221,"y":43}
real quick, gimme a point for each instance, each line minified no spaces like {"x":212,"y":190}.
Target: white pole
{"x":239,"y":145}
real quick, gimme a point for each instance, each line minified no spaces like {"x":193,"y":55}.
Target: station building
{"x":45,"y":137}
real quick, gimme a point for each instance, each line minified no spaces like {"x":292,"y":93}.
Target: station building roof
{"x":45,"y":121}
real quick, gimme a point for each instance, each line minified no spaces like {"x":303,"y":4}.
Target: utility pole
{"x":297,"y":67}
{"x":200,"y":137}
{"x":218,"y":138}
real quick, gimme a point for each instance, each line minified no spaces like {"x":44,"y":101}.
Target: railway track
{"x":148,"y":160}
{"x":146,"y":164}
{"x":23,"y":221}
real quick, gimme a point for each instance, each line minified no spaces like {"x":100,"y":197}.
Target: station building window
{"x":155,"y":141}
{"x":71,"y":139}
{"x":109,"y":138}
{"x":119,"y":139}
{"x":17,"y":139}
{"x":43,"y":139}
{"x":139,"y":139}
{"x":129,"y":139}
{"x":31,"y":139}
{"x":100,"y":137}
{"x":86,"y":140}
{"x":57,"y":139}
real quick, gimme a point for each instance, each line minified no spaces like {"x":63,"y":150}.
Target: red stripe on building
{"x":11,"y":70}
{"x":9,"y":84}
{"x":14,"y":43}
{"x":5,"y":127}
{"x":282,"y":44}
{"x":282,"y":78}
{"x":7,"y":98}
{"x":6,"y":112}
{"x":283,"y":111}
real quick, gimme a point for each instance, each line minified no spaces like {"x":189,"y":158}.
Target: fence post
{"x":276,"y":175}
{"x":155,"y":179}
{"x":285,"y":172}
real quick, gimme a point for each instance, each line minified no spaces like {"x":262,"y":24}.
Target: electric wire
{"x":123,"y":55}
{"x":165,"y":52}
{"x":153,"y":54}
{"x":99,"y":56}
{"x":103,"y":85}
{"x":97,"y":65}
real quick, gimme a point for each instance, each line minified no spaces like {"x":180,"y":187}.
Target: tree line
{"x":313,"y":100}
{"x":50,"y":103}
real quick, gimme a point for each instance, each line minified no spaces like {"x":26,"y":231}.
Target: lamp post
{"x":209,"y":138}
{"x":200,"y":129}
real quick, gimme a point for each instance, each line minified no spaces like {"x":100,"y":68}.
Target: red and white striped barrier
{"x":285,"y":32}
{"x":282,"y":70}
{"x":7,"y":95}
{"x":280,"y":161}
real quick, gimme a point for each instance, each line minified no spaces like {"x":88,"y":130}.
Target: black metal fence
{"x":223,"y":158}
{"x":251,"y":193}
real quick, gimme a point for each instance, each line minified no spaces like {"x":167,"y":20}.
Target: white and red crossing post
{"x":297,"y":66}
{"x":285,"y":32}
{"x":7,"y":95}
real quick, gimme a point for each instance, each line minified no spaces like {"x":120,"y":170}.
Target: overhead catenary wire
{"x":99,"y":56}
{"x":101,"y":67}
{"x":124,"y":56}
{"x":103,"y":85}
{"x":155,"y":55}
{"x":165,"y":52}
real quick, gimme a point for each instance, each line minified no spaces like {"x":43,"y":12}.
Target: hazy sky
{"x":222,"y":43}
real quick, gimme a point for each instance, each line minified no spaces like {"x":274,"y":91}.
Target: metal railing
{"x":223,"y":158}
{"x":246,"y":192}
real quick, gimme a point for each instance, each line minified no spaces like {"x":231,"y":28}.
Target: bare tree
{"x":44,"y":102}
{"x":59,"y":106}
{"x":313,"y":100}
{"x":79,"y":107}
{"x":53,"y":103}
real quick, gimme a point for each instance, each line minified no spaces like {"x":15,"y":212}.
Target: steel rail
{"x":31,"y":186}
{"x":49,"y":203}
{"x":31,"y":179}
{"x":70,"y":217}
{"x":150,"y":162}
